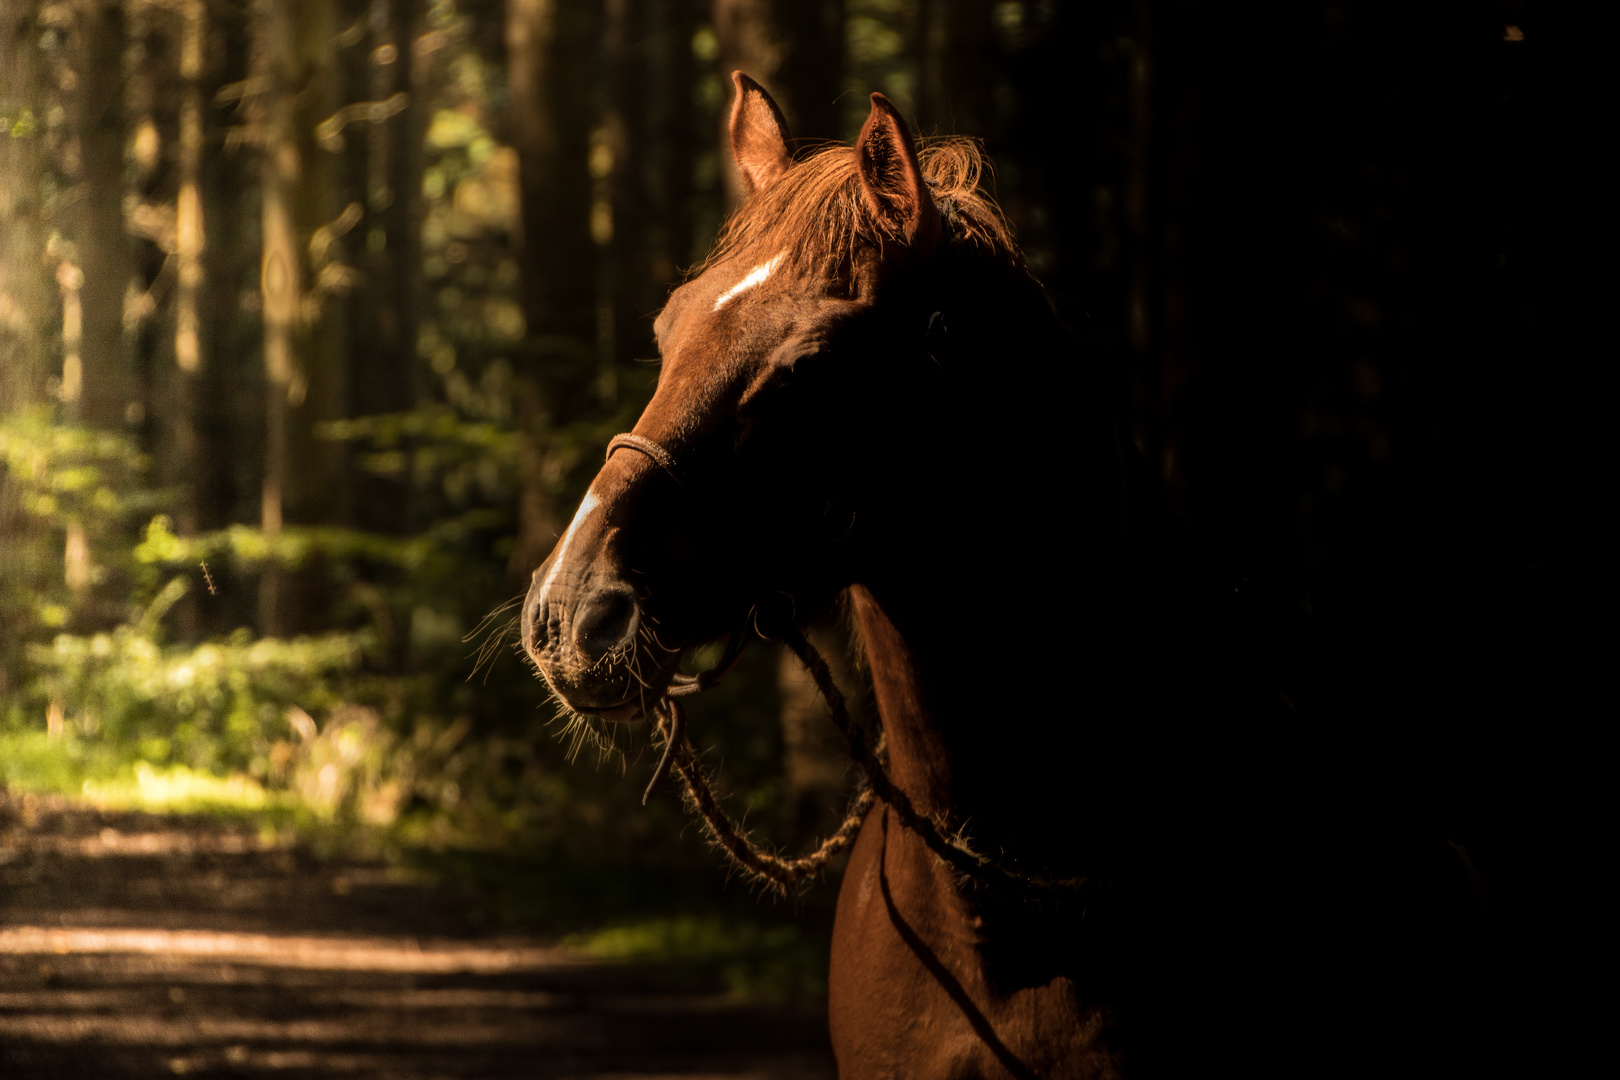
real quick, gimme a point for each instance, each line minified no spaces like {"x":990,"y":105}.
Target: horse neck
{"x":978,"y":629}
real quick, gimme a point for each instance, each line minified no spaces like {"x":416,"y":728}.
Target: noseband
{"x":664,"y":458}
{"x":947,"y":843}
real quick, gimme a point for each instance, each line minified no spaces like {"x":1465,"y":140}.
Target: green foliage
{"x":215,"y":707}
{"x":65,"y":474}
{"x":751,"y":959}
{"x":369,"y":723}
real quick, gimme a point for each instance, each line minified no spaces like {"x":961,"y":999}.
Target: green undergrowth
{"x":750,"y":959}
{"x":387,"y":720}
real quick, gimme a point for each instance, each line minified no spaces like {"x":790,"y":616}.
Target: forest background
{"x":315,"y":317}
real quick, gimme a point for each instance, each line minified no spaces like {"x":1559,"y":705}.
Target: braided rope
{"x":783,"y":873}
{"x":757,"y":863}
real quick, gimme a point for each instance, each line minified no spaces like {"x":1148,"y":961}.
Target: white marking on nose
{"x":586,"y":507}
{"x":753,"y":277}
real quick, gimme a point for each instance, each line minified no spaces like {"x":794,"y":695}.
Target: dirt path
{"x":139,"y":946}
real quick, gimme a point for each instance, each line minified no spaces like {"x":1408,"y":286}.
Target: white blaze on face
{"x":586,"y":508}
{"x":752,"y":278}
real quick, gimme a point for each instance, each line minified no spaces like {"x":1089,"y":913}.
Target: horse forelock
{"x":816,"y":216}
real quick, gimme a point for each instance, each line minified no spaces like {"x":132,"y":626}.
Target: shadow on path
{"x":138,"y":946}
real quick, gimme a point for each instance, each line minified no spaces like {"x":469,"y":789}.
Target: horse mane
{"x":816,"y":215}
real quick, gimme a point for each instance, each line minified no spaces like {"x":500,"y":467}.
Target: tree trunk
{"x":278,"y":274}
{"x":190,"y":242}
{"x":669,"y":146}
{"x":105,"y":386}
{"x":550,"y":45}
{"x":26,"y":302}
{"x":319,"y":380}
{"x":811,"y":70}
{"x":955,"y":68}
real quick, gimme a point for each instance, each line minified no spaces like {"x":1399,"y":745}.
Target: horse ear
{"x":759,"y":135}
{"x":891,"y":178}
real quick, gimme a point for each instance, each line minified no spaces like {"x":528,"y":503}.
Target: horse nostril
{"x":604,"y":622}
{"x":534,"y":625}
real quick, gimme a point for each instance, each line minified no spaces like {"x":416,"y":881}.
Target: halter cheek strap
{"x":664,"y":458}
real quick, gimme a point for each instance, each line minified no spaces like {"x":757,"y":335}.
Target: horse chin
{"x":617,"y":694}
{"x":626,"y":713}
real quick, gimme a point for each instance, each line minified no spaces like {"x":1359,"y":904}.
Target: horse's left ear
{"x":892,"y":180}
{"x":759,"y":135}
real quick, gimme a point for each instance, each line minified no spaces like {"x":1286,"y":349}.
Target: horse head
{"x":802,"y":350}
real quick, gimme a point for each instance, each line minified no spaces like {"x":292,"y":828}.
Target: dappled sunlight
{"x":271,"y":950}
{"x":113,"y":843}
{"x":135,"y":943}
{"x":176,"y":787}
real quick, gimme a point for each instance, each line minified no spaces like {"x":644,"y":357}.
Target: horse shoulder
{"x":909,"y":994}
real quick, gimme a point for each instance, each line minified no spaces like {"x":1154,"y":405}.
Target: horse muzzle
{"x":583,"y":623}
{"x":584,"y":634}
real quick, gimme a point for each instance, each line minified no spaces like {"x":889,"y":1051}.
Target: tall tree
{"x":190,"y":243}
{"x":95,"y":164}
{"x":956,"y":66}
{"x":668,"y":134}
{"x":279,"y":277}
{"x":550,"y":50}
{"x":319,"y":384}
{"x":26,"y":288}
{"x":642,"y":165}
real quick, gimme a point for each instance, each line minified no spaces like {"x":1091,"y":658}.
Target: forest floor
{"x":140,"y":945}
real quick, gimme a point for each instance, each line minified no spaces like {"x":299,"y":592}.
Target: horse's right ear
{"x":892,"y":180}
{"x":759,"y":135}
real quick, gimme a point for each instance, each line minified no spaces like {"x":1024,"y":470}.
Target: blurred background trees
{"x":342,"y":299}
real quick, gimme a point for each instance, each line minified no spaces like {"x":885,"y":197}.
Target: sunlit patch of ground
{"x":279,"y":950}
{"x":136,"y":945}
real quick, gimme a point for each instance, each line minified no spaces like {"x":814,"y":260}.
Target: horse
{"x":866,"y":399}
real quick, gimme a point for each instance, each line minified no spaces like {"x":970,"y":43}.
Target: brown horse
{"x":865,"y":394}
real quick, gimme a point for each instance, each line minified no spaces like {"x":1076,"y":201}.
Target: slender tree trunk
{"x":92,"y":266}
{"x":1138,"y":319}
{"x":620,"y":204}
{"x":190,"y":242}
{"x":26,"y":303}
{"x":27,"y":292}
{"x":669,"y":142}
{"x":811,"y":71}
{"x":319,"y":380}
{"x":550,"y":46}
{"x":403,"y":215}
{"x":955,"y":67}
{"x":278,"y":274}
{"x":393,"y":182}
{"x":105,"y":386}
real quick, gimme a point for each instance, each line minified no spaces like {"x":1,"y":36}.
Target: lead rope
{"x":783,"y":873}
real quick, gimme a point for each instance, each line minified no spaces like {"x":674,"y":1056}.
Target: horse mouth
{"x":625,"y":712}
{"x":621,"y":693}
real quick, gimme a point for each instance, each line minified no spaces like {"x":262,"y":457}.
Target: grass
{"x":64,"y":765}
{"x":752,"y":960}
